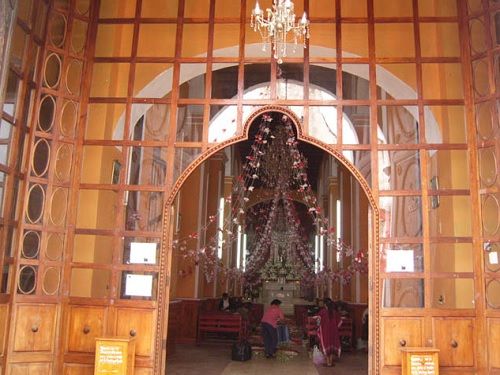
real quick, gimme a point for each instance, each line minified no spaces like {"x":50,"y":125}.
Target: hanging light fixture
{"x":278,"y":26}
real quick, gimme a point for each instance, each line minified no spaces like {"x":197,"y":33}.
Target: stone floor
{"x":215,"y":359}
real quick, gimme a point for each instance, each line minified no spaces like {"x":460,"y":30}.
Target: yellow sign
{"x":420,"y":361}
{"x":114,"y":356}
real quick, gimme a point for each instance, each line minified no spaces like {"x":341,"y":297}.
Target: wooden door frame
{"x":165,"y":276}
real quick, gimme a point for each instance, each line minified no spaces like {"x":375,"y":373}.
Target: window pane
{"x":144,"y":210}
{"x":256,"y":84}
{"x":110,"y":80}
{"x":189,"y":123}
{"x":450,"y":216}
{"x":442,"y":81}
{"x":445,"y":124}
{"x":394,"y":39}
{"x":403,"y":293}
{"x":323,"y":40}
{"x":402,"y":8}
{"x":402,"y":216}
{"x":402,"y":170}
{"x":397,"y":81}
{"x":439,"y":39}
{"x":192,"y":79}
{"x":150,"y":46}
{"x":97,"y":209}
{"x":117,"y":9}
{"x":105,"y":121}
{"x":89,"y":248}
{"x":359,"y":124}
{"x":153,"y":80}
{"x":402,"y":258}
{"x":198,"y":32}
{"x":355,"y":81}
{"x":399,"y":125}
{"x":226,"y":39}
{"x":91,"y":283}
{"x":224,"y":81}
{"x":114,"y":40}
{"x":453,"y":293}
{"x":155,"y":9}
{"x":156,"y":123}
{"x":147,"y":166}
{"x":354,"y":39}
{"x":450,"y":167}
{"x":451,"y":257}
{"x":183,"y":157}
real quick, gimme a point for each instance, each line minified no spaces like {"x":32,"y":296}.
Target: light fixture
{"x":279,"y":25}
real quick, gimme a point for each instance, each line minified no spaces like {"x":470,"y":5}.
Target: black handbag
{"x":241,"y":351}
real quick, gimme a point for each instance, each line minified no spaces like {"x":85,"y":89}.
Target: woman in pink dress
{"x":329,"y":330}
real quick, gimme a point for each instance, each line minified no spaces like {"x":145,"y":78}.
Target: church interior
{"x":156,"y":155}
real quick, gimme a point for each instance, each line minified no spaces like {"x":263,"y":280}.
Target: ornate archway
{"x":167,"y":238}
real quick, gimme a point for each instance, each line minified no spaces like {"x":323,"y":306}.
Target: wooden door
{"x":493,"y":342}
{"x":399,"y":333}
{"x":455,"y":340}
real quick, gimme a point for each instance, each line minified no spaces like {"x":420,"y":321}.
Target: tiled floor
{"x":215,"y":359}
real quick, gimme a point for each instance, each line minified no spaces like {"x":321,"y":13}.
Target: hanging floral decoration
{"x":274,"y":163}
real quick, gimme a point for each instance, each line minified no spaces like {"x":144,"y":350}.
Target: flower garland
{"x":276,"y":162}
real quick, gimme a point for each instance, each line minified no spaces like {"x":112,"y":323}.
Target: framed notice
{"x":143,"y":252}
{"x":139,"y":285}
{"x":400,"y":261}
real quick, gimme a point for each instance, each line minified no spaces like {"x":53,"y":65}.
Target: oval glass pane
{"x":492,"y":256}
{"x":27,"y":280}
{"x":481,"y":79}
{"x":82,"y":6}
{"x":74,"y":77}
{"x":68,"y":119}
{"x":31,"y":244}
{"x":46,"y":113}
{"x":78,"y":36}
{"x":477,"y":35}
{"x":57,"y":29}
{"x":484,"y":123}
{"x":64,"y":156}
{"x":51,"y":279}
{"x":58,"y":206}
{"x":490,"y":212}
{"x":493,"y":293}
{"x":41,"y":157}
{"x":55,"y":246}
{"x":62,"y":4}
{"x":487,"y":166}
{"x":52,"y":72}
{"x":36,"y":197}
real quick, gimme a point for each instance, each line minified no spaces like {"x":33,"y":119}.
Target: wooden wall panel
{"x":4,"y":311}
{"x":30,"y":369}
{"x":139,"y":323}
{"x":189,"y":321}
{"x":455,"y":340}
{"x":174,"y":318}
{"x":78,"y":369}
{"x":143,"y":371}
{"x":85,"y":324}
{"x":399,"y":332}
{"x":493,"y":342}
{"x":34,"y":328}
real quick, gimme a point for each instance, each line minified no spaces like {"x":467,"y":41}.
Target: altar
{"x":288,"y":293}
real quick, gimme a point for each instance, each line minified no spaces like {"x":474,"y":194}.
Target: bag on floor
{"x":318,"y":356}
{"x":241,"y":351}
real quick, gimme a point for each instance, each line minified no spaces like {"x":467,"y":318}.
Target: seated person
{"x":225,"y":303}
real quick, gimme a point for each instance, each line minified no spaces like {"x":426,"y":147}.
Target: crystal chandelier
{"x":276,"y":25}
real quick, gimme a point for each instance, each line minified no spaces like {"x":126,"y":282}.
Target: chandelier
{"x":278,"y":26}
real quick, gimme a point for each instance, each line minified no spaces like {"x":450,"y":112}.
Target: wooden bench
{"x":219,"y":322}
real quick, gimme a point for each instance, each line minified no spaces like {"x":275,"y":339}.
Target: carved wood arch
{"x":166,"y":248}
